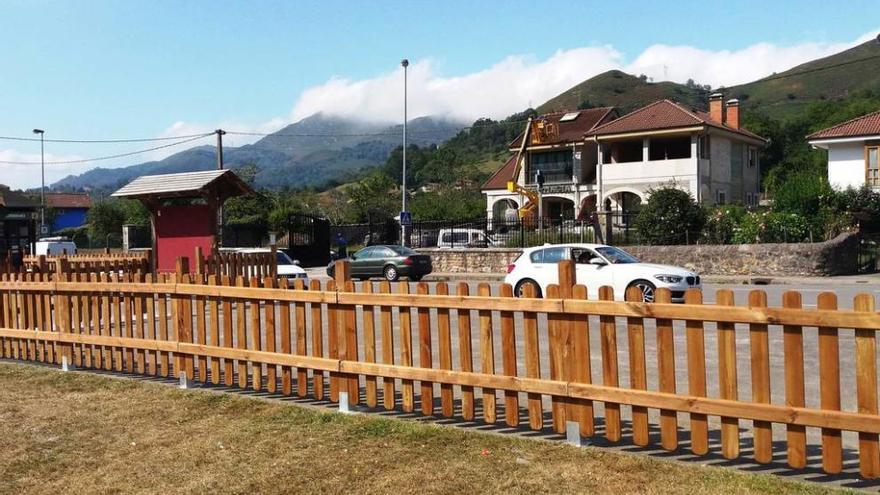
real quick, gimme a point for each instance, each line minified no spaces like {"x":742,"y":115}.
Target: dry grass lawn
{"x":81,"y":433}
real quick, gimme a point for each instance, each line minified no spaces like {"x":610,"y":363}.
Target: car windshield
{"x":283,"y":259}
{"x":616,"y":256}
{"x":402,"y":250}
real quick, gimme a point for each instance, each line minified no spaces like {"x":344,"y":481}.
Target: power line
{"x":110,"y":157}
{"x":98,"y":141}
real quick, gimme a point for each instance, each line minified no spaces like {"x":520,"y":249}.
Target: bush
{"x":671,"y":216}
{"x":771,"y":226}
{"x":721,"y":223}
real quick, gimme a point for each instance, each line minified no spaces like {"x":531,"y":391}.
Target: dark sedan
{"x":389,"y":261}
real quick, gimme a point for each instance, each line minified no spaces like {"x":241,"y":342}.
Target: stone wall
{"x":835,"y":257}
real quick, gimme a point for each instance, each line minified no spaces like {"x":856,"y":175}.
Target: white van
{"x":55,"y":246}
{"x":463,"y":238}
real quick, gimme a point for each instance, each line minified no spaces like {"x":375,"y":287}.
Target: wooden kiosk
{"x":184,"y":211}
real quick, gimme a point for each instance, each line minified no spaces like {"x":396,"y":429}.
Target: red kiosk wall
{"x":179,"y":230}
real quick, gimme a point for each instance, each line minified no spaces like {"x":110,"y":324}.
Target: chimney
{"x":716,"y":107}
{"x":733,"y":113}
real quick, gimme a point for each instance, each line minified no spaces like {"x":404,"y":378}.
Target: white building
{"x":853,"y":151}
{"x":593,"y":160}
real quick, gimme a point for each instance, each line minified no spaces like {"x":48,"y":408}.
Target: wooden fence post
{"x":562,"y":350}
{"x":346,"y":332}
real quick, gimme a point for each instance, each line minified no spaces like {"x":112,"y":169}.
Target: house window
{"x":872,"y":165}
{"x":555,"y":166}
{"x":704,"y":144}
{"x":669,"y":148}
{"x":753,"y":157}
{"x":720,"y":197}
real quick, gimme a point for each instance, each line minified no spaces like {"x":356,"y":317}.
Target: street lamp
{"x":41,"y":132}
{"x":404,"y":63}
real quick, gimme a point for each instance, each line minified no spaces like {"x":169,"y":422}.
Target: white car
{"x":55,"y":246}
{"x":597,"y":265}
{"x":287,"y":268}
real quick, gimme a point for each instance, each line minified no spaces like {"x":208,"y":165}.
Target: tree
{"x":671,"y":216}
{"x":373,"y":197}
{"x":449,"y":203}
{"x":106,"y":218}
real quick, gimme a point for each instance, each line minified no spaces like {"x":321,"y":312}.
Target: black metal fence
{"x":482,"y":232}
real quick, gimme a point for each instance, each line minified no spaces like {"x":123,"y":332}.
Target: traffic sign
{"x":405,"y":218}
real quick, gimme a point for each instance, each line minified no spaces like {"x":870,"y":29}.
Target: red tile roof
{"x":573,"y":130}
{"x":866,"y":125}
{"x":663,"y":114}
{"x":504,"y":174}
{"x":68,"y":200}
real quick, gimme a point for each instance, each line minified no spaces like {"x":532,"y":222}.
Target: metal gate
{"x":307,"y":240}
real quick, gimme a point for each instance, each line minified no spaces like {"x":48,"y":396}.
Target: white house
{"x":853,"y":151}
{"x":593,"y":160}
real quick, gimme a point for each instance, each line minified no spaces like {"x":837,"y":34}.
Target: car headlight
{"x":669,"y":279}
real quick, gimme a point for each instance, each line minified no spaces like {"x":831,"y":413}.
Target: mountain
{"x":316,"y":150}
{"x":779,"y":95}
{"x":624,"y":91}
{"x":829,"y":78}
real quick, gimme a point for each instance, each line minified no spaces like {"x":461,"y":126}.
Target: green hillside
{"x":624,"y":91}
{"x":835,"y":77}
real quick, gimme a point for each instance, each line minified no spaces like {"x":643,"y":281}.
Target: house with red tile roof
{"x":853,"y":151}
{"x":613,"y":163}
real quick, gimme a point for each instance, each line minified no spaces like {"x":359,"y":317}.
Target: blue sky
{"x":139,"y":69}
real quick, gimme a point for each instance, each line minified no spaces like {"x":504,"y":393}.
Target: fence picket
{"x":487,"y":355}
{"x":829,"y":385}
{"x":866,"y":388}
{"x":317,"y":341}
{"x":256,"y":337}
{"x":241,"y":334}
{"x":580,"y":334}
{"x":405,"y":315}
{"x":302,"y":374}
{"x":793,"y":343}
{"x":285,"y":327}
{"x":465,"y":353}
{"x":426,"y":355}
{"x":608,"y":332}
{"x":666,"y":372}
{"x":369,"y":316}
{"x":385,"y":320}
{"x":727,"y":386}
{"x":759,"y":344}
{"x":509,"y":360}
{"x":533,"y":360}
{"x":447,"y":399}
{"x":269,"y":309}
{"x":638,"y":376}
{"x":201,"y":333}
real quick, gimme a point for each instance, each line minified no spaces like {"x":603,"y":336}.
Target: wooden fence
{"x":474,"y":349}
{"x":235,"y":264}
{"x":87,"y":263}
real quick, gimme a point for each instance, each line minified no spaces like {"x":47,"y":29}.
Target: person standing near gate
{"x":341,"y":246}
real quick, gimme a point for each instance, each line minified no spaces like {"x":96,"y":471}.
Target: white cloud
{"x":730,"y":67}
{"x":518,"y":81}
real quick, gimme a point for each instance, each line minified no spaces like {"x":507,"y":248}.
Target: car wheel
{"x":390,"y":273}
{"x":519,"y":290}
{"x":647,"y":289}
{"x":415,"y":278}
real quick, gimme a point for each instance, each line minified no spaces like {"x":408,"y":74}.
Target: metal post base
{"x":65,"y":366}
{"x":344,"y":407}
{"x":573,"y":433}
{"x":185,"y":383}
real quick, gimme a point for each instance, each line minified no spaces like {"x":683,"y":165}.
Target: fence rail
{"x":533,"y":354}
{"x":85,"y":263}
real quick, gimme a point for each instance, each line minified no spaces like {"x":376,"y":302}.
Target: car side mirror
{"x":352,"y":257}
{"x":598,"y":261}
{"x":296,"y":262}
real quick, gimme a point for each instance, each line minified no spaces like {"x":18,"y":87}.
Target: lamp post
{"x":404,"y":63}
{"x":42,"y":182}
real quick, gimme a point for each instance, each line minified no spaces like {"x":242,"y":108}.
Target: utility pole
{"x":219,"y":133}
{"x":42,"y":183}
{"x":405,"y":64}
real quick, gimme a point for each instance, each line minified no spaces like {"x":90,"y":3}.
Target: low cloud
{"x":520,"y":81}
